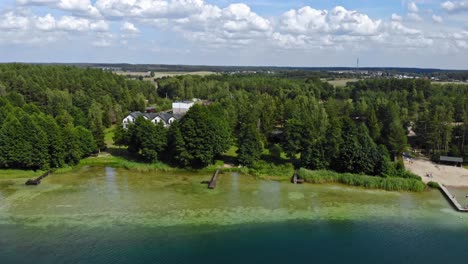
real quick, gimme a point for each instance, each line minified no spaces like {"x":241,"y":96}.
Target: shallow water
{"x":106,"y":215}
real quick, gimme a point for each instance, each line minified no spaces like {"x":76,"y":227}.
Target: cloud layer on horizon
{"x":190,"y":30}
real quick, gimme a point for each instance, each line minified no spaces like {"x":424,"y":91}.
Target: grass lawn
{"x":108,"y":135}
{"x":232,"y":152}
{"x":341,"y":82}
{"x":16,"y":174}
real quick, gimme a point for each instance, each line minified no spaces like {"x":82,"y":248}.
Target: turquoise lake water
{"x":104,"y":215}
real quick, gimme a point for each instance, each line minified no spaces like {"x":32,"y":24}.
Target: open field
{"x":447,"y":175}
{"x":340,"y":82}
{"x":164,"y":74}
{"x":443,"y":83}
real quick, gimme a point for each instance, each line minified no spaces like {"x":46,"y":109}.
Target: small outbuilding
{"x":451,"y":160}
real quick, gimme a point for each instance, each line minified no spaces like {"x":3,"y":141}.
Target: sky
{"x":314,"y":33}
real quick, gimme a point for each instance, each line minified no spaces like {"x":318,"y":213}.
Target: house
{"x":178,"y":110}
{"x":131,"y":118}
{"x":167,"y":118}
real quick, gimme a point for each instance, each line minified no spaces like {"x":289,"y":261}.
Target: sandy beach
{"x":447,"y":175}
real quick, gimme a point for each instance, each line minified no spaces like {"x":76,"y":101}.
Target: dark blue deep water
{"x":287,"y":242}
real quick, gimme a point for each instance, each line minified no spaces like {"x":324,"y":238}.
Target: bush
{"x":368,"y":182}
{"x":433,"y":185}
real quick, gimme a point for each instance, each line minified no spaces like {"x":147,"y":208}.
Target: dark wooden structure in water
{"x":214,"y":178}
{"x":296,"y":179}
{"x":37,"y":181}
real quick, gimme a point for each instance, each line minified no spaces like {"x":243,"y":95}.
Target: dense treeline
{"x":55,"y":115}
{"x":361,"y":128}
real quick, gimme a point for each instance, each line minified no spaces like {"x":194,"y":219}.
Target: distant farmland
{"x":340,"y":82}
{"x":146,"y":75}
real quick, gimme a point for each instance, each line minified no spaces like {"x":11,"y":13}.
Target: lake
{"x":106,"y":215}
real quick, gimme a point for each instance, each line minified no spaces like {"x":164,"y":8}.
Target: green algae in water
{"x":106,"y":197}
{"x":106,"y":215}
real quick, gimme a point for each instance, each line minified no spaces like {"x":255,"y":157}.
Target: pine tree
{"x":95,"y":124}
{"x":12,"y":143}
{"x":249,"y":143}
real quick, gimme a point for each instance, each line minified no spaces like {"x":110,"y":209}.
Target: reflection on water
{"x":269,"y":194}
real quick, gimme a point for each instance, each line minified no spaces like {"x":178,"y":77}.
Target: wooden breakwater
{"x":296,"y":179}
{"x":452,"y":199}
{"x":37,"y":180}
{"x":214,"y":178}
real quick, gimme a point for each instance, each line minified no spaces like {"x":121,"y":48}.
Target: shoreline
{"x":106,"y":160}
{"x":449,"y":176}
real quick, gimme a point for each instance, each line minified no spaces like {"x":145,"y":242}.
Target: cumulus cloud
{"x":102,"y":43}
{"x":82,"y":7}
{"x":338,"y":20}
{"x":414,"y":17}
{"x":46,"y":23}
{"x":437,"y":19}
{"x":412,"y":7}
{"x":399,"y":28}
{"x":149,"y":8}
{"x":234,"y":27}
{"x":70,"y":23}
{"x":11,"y":21}
{"x":455,"y":6}
{"x":396,"y":17}
{"x":129,"y":28}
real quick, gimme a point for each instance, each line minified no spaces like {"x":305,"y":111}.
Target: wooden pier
{"x":452,"y":199}
{"x":213,"y":180}
{"x":37,"y":181}
{"x":296,"y":179}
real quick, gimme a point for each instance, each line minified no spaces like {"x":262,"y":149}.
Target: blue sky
{"x":400,"y":33}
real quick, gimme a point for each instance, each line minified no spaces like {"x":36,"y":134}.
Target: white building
{"x":181,"y":107}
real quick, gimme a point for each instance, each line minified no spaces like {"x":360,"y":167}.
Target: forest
{"x":52,"y":116}
{"x":55,"y":115}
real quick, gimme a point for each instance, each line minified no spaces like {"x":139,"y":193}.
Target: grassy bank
{"x":119,"y":162}
{"x":368,"y":182}
{"x":17,"y":174}
{"x":261,"y":170}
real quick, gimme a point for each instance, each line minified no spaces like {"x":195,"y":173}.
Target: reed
{"x":368,"y":182}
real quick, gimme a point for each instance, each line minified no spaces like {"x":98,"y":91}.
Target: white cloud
{"x":412,"y":7}
{"x":398,"y":27}
{"x":81,"y":7}
{"x":414,"y":17}
{"x":338,"y":20}
{"x":70,"y":23}
{"x":102,"y":43}
{"x":396,"y":17}
{"x":455,"y":6}
{"x":437,"y":19}
{"x":46,"y":23}
{"x":149,"y":8}
{"x":12,"y":21}
{"x":239,"y":18}
{"x":35,"y":2}
{"x":235,"y":27}
{"x":129,"y":28}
